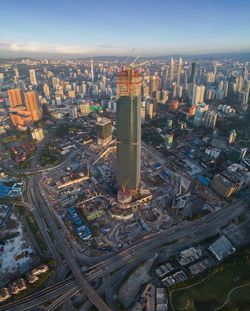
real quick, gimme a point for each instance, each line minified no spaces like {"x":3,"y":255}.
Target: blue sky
{"x":113,"y":27}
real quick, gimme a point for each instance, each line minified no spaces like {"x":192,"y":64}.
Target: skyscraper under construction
{"x":128,"y":133}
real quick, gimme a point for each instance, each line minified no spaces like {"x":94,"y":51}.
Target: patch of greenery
{"x":50,"y":156}
{"x":207,"y":295}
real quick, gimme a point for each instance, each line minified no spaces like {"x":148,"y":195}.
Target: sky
{"x":114,"y":27}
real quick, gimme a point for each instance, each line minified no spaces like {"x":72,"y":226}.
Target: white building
{"x":33,"y":77}
{"x":37,"y":134}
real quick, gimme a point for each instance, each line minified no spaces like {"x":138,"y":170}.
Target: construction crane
{"x":129,"y":54}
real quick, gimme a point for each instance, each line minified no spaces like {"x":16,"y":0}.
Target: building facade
{"x":128,"y":133}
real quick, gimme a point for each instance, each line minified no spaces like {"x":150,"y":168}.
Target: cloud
{"x":38,"y":47}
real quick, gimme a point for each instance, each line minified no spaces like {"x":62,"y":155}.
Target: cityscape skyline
{"x":125,"y":155}
{"x":153,"y":29}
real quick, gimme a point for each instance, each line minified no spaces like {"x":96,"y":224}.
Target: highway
{"x":177,"y":238}
{"x":39,"y":203}
{"x":199,"y":229}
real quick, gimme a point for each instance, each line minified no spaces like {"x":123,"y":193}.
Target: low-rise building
{"x":37,"y":134}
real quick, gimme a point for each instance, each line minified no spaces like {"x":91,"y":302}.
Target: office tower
{"x":164,"y":78}
{"x":145,"y":90}
{"x":103,"y":131}
{"x":1,"y":77}
{"x":128,"y":133}
{"x":232,"y":87}
{"x":143,"y":112}
{"x":171,"y":71}
{"x":185,"y":84}
{"x":92,"y":70}
{"x":164,"y":96}
{"x":239,"y":84}
{"x":33,"y":105}
{"x":174,"y":88}
{"x":243,"y":98}
{"x":179,"y":71}
{"x":247,"y":86}
{"x":210,"y":118}
{"x":84,"y":89}
{"x":15,"y":98}
{"x":46,"y":90}
{"x":150,"y":109}
{"x":232,"y":137}
{"x":219,"y":95}
{"x":179,"y":91}
{"x":193,"y":73}
{"x":245,"y":72}
{"x":199,"y":114}
{"x":225,"y":89}
{"x":33,"y":77}
{"x":16,"y":73}
{"x":154,"y":85}
{"x":210,"y":94}
{"x":198,"y":94}
{"x":215,"y":69}
{"x":220,"y":85}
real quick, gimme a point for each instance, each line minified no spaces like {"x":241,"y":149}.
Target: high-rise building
{"x":150,"y":109}
{"x":33,"y":77}
{"x":174,"y":89}
{"x":15,"y":97}
{"x":164,"y":78}
{"x":128,"y":133}
{"x":104,"y":131}
{"x":199,"y":114}
{"x":171,"y":71}
{"x":194,"y":71}
{"x":16,"y":72}
{"x":198,"y":94}
{"x":46,"y":90}
{"x":154,"y":85}
{"x":33,"y":105}
{"x":245,"y":72}
{"x":92,"y":70}
{"x":210,"y":94}
{"x":179,"y":71}
{"x":143,"y":112}
{"x":210,"y":118}
{"x":179,"y":91}
{"x":1,"y":77}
